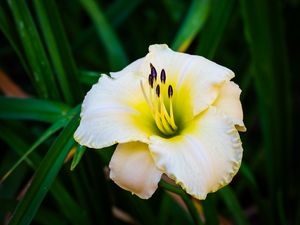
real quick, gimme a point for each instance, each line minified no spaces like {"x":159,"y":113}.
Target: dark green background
{"x":55,"y":51}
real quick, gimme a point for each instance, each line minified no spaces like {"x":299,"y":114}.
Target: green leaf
{"x":89,"y":77}
{"x":50,"y":131}
{"x":75,"y":213}
{"x":10,"y":33}
{"x":119,"y":10}
{"x":232,"y":203}
{"x":31,"y":109}
{"x":34,"y":50}
{"x":213,"y":30}
{"x":45,"y":175}
{"x":44,"y":216}
{"x":59,"y":50}
{"x":192,"y":24}
{"x":247,"y":173}
{"x":189,"y":203}
{"x":210,"y":210}
{"x":114,"y":49}
{"x":80,"y":150}
{"x":272,"y":81}
{"x":171,"y":212}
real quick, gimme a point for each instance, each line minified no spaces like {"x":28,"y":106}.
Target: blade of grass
{"x":192,"y":209}
{"x":256,"y":29}
{"x":119,"y":10}
{"x":80,"y":150}
{"x":247,"y":173}
{"x":114,"y":49}
{"x":213,"y":30}
{"x":89,"y":77}
{"x":232,"y":203}
{"x":139,"y":209}
{"x":10,"y":32}
{"x":59,"y":50}
{"x":48,"y":217}
{"x":34,"y":51}
{"x":31,"y":109}
{"x":45,"y":175}
{"x":50,"y":131}
{"x":18,"y":144}
{"x":43,"y":216}
{"x":170,"y":212}
{"x":95,"y":179}
{"x":194,"y":21}
{"x":72,"y":211}
{"x":264,"y":33}
{"x":116,"y":13}
{"x":210,"y":210}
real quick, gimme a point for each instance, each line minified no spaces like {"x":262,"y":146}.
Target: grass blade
{"x":89,"y":77}
{"x":189,"y":203}
{"x":213,"y":30}
{"x":31,"y":109}
{"x":210,"y":210}
{"x":34,"y":51}
{"x":80,"y":150}
{"x":232,"y":203}
{"x":72,"y":211}
{"x":11,"y":34}
{"x":194,"y":21}
{"x":264,"y":33}
{"x":59,"y":50}
{"x":50,"y":131}
{"x":114,"y":49}
{"x":119,"y":10}
{"x":45,"y":175}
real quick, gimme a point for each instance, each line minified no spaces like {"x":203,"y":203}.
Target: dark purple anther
{"x":150,"y":80}
{"x":153,"y":71}
{"x":157,"y":90}
{"x":170,"y":91}
{"x":163,"y":76}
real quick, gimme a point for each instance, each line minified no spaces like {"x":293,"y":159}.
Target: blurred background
{"x":51,"y":52}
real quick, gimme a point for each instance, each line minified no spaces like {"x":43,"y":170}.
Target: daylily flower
{"x":170,"y":113}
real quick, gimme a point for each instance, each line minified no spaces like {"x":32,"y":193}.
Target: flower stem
{"x":185,"y":197}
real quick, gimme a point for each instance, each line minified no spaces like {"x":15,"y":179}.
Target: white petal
{"x":199,"y":76}
{"x":114,"y":111}
{"x":204,"y":157}
{"x":229,"y":103}
{"x":133,"y":169}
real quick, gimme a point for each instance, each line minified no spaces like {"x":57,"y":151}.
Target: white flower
{"x":170,"y":113}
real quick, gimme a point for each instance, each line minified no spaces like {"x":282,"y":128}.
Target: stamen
{"x":164,"y":119}
{"x":170,"y":91}
{"x":157,"y":90}
{"x":153,"y":71}
{"x":150,"y":80}
{"x":163,"y":76}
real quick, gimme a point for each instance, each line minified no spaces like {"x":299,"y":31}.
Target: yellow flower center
{"x":158,"y":98}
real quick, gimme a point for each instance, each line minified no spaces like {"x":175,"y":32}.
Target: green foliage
{"x":56,"y":50}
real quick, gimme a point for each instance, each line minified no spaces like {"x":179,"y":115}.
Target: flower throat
{"x":158,"y":92}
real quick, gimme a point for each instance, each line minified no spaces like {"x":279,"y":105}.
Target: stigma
{"x":159,"y":99}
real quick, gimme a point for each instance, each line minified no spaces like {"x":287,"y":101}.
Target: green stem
{"x":185,"y":197}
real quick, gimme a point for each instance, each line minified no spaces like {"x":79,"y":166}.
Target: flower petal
{"x":204,"y":157}
{"x":229,"y":103}
{"x":133,"y":169}
{"x":199,"y":76}
{"x":114,"y":111}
